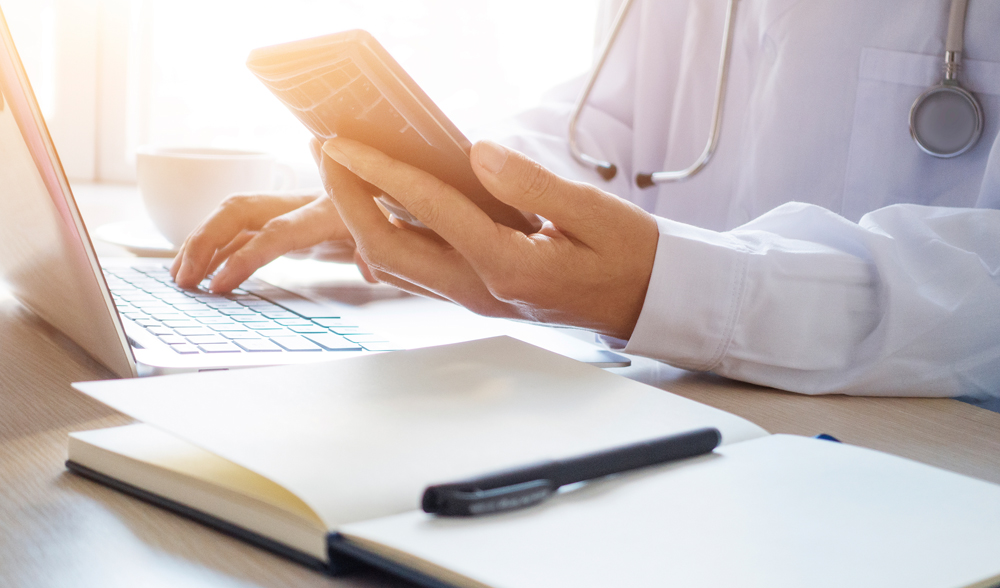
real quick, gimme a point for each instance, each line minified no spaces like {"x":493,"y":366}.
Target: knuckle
{"x":237,"y":202}
{"x":382,"y":276}
{"x":278,"y":233}
{"x":535,"y":181}
{"x":277,"y":226}
{"x":422,"y":199}
{"x":506,"y":285}
{"x":373,"y":255}
{"x":244,"y":261}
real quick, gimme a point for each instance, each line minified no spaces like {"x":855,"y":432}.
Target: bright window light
{"x":479,"y":60}
{"x":116,"y":74}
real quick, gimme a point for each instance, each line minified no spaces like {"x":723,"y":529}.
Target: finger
{"x":403,"y":257}
{"x":575,"y":208}
{"x":316,"y":149}
{"x":442,"y":208}
{"x":337,"y":251}
{"x":304,"y":227}
{"x":366,"y":272}
{"x":223,"y":254}
{"x":236,"y":214}
{"x":390,"y":279}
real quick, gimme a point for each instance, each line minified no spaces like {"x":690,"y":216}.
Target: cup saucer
{"x":138,"y":237}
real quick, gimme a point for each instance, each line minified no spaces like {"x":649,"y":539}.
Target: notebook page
{"x":145,"y":457}
{"x":776,"y":512}
{"x":360,"y":438}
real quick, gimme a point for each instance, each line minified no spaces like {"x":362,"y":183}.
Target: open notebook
{"x":326,"y":463}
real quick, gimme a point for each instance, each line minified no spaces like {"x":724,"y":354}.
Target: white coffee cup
{"x":182,"y":186}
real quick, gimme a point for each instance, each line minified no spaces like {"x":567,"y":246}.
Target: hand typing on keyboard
{"x":248,"y":231}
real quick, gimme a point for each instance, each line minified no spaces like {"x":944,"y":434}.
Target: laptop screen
{"x":46,"y":258}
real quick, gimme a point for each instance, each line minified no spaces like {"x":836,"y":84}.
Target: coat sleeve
{"x":905,"y":302}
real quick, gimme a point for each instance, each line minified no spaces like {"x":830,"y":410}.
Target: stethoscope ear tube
{"x":945,"y":121}
{"x":606,"y":169}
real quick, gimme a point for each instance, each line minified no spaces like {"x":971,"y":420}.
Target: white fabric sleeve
{"x":906,"y":302}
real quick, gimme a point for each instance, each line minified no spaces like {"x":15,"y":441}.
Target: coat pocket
{"x":885,"y":166}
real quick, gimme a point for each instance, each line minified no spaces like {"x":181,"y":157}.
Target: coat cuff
{"x":694,"y":297}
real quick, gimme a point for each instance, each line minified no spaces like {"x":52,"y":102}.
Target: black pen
{"x":528,"y":485}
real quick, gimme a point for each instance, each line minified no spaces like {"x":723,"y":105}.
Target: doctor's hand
{"x":588,"y":266}
{"x":247,"y":231}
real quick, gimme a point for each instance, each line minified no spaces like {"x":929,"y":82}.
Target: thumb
{"x":526,"y":185}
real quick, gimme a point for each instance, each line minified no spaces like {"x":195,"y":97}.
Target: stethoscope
{"x":945,"y":121}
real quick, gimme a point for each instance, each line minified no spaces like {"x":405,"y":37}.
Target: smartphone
{"x":346,"y":84}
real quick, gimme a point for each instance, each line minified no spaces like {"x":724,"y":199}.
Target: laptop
{"x":128,"y":314}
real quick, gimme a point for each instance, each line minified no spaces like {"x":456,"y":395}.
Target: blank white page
{"x":775,"y":512}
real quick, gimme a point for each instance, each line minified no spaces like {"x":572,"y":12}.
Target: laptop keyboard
{"x":197,"y":321}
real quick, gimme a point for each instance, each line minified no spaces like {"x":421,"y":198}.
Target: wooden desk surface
{"x":59,"y":530}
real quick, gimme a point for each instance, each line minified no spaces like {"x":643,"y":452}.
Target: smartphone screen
{"x":347,"y":85}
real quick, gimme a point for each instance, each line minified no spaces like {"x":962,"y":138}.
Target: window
{"x":116,"y":74}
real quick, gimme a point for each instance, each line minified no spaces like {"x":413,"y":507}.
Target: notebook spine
{"x":334,"y":568}
{"x":342,"y":549}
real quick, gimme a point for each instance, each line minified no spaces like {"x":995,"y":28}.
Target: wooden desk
{"x":59,"y":530}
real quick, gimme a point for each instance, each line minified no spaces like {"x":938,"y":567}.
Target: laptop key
{"x":308,"y":329}
{"x":185,"y":348}
{"x":350,"y":330}
{"x":364,"y":339}
{"x":226,"y":328}
{"x":160,"y":330}
{"x":202,"y":313}
{"x":332,"y":342}
{"x":255,"y":345}
{"x":263,"y":326}
{"x":332,"y":322}
{"x":173,"y":339}
{"x":235,"y":312}
{"x":215,"y":320}
{"x":188,"y":331}
{"x":382,"y":346}
{"x":296,"y":343}
{"x":246,"y":318}
{"x":219,"y":348}
{"x":190,"y":306}
{"x":166,"y":316}
{"x":279,"y":314}
{"x":204,"y":339}
{"x":174,"y":323}
{"x":238,"y":335}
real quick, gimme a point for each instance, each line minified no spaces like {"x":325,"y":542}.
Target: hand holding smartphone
{"x":347,"y":85}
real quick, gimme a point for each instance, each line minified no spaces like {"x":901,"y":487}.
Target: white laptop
{"x":130,"y":316}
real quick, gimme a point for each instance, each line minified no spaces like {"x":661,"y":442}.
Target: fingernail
{"x":491,"y":156}
{"x":336,"y":154}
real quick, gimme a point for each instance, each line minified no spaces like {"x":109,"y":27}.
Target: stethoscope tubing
{"x":953,"y":52}
{"x":608,"y":170}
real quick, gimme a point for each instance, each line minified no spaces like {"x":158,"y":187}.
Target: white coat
{"x":820,"y":250}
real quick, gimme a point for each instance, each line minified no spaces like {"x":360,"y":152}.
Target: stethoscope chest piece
{"x":946,"y":120}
